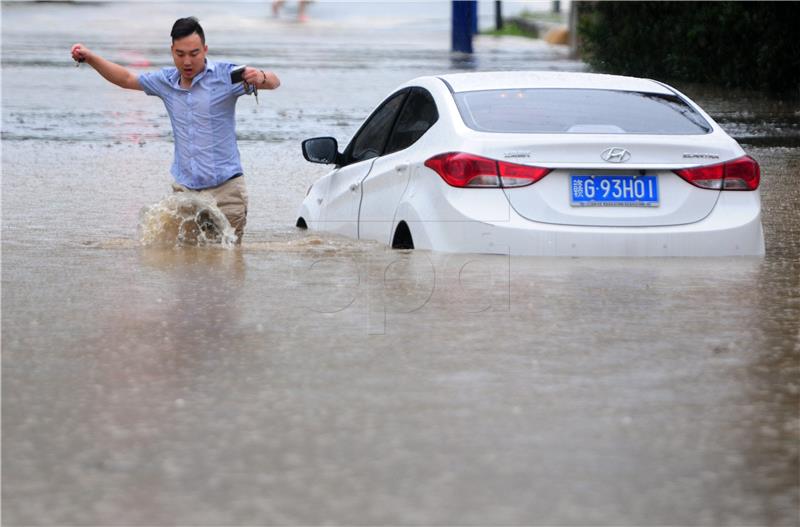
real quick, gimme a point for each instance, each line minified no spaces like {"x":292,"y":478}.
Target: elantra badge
{"x":700,"y":156}
{"x":615,"y":155}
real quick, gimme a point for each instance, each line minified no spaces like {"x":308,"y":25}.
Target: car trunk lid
{"x":612,"y":167}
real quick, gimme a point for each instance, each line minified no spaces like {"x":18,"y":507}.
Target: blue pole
{"x":474,"y":15}
{"x":462,"y":29}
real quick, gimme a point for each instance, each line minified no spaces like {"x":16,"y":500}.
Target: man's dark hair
{"x":184,"y":27}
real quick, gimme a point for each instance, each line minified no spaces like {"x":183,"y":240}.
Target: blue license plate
{"x":621,"y":191}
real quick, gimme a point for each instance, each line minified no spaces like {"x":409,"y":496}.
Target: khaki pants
{"x":231,"y":198}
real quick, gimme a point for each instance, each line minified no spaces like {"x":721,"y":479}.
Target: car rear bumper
{"x":733,"y":228}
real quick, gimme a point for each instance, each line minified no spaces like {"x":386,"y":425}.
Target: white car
{"x":539,"y":163}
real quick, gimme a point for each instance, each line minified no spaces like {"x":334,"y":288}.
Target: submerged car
{"x":539,"y":163}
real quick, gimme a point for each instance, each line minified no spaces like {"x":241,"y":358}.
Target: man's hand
{"x":263,"y":80}
{"x":113,"y":73}
{"x":80,"y":53}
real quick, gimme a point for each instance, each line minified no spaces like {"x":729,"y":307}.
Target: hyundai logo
{"x":615,"y":155}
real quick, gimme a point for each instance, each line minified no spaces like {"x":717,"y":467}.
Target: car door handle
{"x":354,"y":187}
{"x":402,"y":167}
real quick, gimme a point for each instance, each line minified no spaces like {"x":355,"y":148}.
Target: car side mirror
{"x":324,"y":150}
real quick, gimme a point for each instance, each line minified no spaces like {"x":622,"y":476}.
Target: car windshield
{"x":555,"y":111}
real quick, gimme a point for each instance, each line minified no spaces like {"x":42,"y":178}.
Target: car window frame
{"x":411,"y":93}
{"x":348,"y":152}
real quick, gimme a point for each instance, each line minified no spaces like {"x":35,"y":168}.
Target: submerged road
{"x":305,"y":379}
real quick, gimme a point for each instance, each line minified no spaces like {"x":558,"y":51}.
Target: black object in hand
{"x":237,"y":73}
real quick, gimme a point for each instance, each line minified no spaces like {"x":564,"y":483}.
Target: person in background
{"x":201,"y":102}
{"x":301,"y":9}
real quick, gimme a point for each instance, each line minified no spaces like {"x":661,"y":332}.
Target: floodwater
{"x":308,"y":379}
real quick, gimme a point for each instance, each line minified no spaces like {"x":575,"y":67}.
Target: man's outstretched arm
{"x":263,"y":80}
{"x":113,"y":73}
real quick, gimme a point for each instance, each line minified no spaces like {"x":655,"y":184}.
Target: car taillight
{"x":470,"y":171}
{"x":740,"y":174}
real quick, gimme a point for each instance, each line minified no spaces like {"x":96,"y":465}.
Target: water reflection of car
{"x":539,"y":163}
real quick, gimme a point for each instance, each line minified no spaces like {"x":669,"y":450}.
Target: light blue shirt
{"x":203,"y":123}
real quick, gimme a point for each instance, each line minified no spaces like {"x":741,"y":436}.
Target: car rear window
{"x":546,"y":110}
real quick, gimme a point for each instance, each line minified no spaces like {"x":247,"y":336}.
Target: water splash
{"x":185,"y":219}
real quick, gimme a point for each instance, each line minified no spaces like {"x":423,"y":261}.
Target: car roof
{"x":500,"y":80}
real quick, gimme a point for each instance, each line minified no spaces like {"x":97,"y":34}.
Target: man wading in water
{"x":201,"y":101}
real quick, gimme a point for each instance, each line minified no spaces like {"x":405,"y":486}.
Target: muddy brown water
{"x":307,"y":379}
